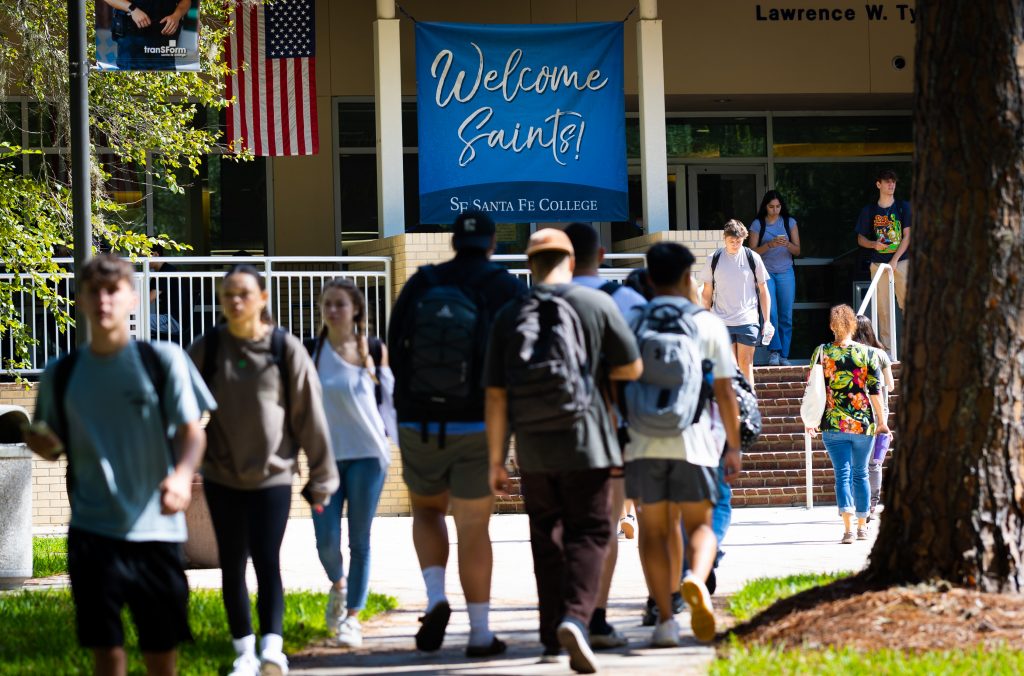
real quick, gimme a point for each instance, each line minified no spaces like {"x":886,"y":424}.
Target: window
{"x":840,"y":136}
{"x":357,"y":169}
{"x":703,"y":138}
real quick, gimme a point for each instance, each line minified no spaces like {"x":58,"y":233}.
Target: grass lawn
{"x":49,"y":556}
{"x":38,"y":632}
{"x":743,"y":660}
{"x":735,"y":658}
{"x":762,"y":592}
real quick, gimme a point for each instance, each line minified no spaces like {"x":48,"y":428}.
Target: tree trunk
{"x":954,"y":493}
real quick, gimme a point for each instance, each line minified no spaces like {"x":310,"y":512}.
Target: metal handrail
{"x":292,"y":294}
{"x":883,"y":269}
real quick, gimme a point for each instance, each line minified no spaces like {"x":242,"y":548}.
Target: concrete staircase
{"x":774,"y":469}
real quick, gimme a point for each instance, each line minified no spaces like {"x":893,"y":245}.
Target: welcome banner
{"x":524,"y":122}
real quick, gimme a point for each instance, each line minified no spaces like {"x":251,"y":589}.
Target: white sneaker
{"x":627,"y":525}
{"x":246,"y":664}
{"x":335,"y":607}
{"x":666,"y":634}
{"x":350,"y":633}
{"x":273,"y":664}
{"x":702,"y":614}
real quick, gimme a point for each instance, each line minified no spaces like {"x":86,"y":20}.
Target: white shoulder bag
{"x":813,"y":405}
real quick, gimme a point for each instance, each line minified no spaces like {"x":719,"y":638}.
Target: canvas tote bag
{"x":813,"y":405}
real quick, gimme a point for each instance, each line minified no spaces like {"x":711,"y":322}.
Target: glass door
{"x":717,"y":193}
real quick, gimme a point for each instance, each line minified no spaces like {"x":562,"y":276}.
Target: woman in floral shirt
{"x":853,"y":415}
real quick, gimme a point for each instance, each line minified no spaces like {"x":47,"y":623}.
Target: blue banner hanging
{"x":525,"y":122}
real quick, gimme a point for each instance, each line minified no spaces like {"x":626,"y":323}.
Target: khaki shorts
{"x":461,"y":467}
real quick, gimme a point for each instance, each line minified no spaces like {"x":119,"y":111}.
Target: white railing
{"x":890,"y":298}
{"x":181,"y":304}
{"x":621,"y":265}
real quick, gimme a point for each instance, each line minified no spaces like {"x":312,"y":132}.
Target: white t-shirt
{"x":357,"y":427}
{"x":735,"y":296}
{"x":697,"y":444}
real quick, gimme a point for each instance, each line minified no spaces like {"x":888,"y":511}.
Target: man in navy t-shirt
{"x":884,"y":229}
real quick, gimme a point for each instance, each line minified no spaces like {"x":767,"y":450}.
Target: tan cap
{"x":549,"y":239}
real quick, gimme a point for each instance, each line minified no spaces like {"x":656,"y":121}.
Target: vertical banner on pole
{"x":152,"y":35}
{"x":525,"y":122}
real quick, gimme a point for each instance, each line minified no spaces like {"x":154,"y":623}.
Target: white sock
{"x":271,"y":643}
{"x":246,"y":644}
{"x":479,"y":629}
{"x":433,"y":577}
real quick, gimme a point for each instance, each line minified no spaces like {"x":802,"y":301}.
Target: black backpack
{"x":548,"y":376}
{"x":445,"y":339}
{"x":62,"y":376}
{"x":750,"y":414}
{"x":277,"y":342}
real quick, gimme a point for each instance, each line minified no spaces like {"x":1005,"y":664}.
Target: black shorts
{"x":650,"y":480}
{"x":106,"y":574}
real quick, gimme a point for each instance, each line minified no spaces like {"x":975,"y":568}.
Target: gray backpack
{"x":670,"y":395}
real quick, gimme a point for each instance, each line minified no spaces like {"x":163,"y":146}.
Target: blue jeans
{"x":361,"y":484}
{"x":721,"y":517}
{"x":782,"y":289}
{"x":850,"y":454}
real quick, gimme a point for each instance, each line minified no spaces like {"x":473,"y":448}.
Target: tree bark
{"x":954,"y":492}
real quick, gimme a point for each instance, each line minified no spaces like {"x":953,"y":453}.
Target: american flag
{"x":271,"y":52}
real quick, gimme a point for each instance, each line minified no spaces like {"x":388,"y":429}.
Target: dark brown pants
{"x":570,"y":528}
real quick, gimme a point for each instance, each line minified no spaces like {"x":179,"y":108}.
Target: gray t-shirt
{"x":592,"y":444}
{"x":735,"y":297}
{"x":117,"y":444}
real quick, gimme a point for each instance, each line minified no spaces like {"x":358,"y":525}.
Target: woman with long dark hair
{"x":853,"y":415}
{"x":269,"y":406}
{"x":351,"y":379}
{"x":774,"y":235}
{"x":865,"y":335}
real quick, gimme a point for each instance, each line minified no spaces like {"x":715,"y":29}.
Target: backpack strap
{"x":277,"y":354}
{"x":610,"y":287}
{"x":61,"y":377}
{"x":375,"y":346}
{"x":211,"y":343}
{"x":158,"y":377}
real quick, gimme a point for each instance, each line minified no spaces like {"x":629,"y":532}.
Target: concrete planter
{"x":201,"y":546}
{"x":15,"y":499}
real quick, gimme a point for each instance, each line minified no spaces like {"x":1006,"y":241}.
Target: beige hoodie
{"x":248,"y":442}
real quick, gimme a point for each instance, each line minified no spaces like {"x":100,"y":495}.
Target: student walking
{"x":110,"y":407}
{"x":350,"y":378}
{"x":270,"y":407}
{"x":853,"y":415}
{"x":589,"y":254}
{"x":865,"y":335}
{"x":437,"y":338}
{"x":775,"y":236}
{"x":735,"y":290}
{"x":673,"y":456}
{"x":543,"y":359}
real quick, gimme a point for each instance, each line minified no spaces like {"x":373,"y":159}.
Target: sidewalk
{"x":763,"y":542}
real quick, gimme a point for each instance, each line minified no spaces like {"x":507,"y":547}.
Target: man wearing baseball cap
{"x":436,"y":340}
{"x":543,"y":359}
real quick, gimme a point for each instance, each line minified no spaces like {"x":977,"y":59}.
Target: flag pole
{"x":78,"y":70}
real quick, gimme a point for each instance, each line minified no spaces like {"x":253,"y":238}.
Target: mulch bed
{"x":849,"y":613}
